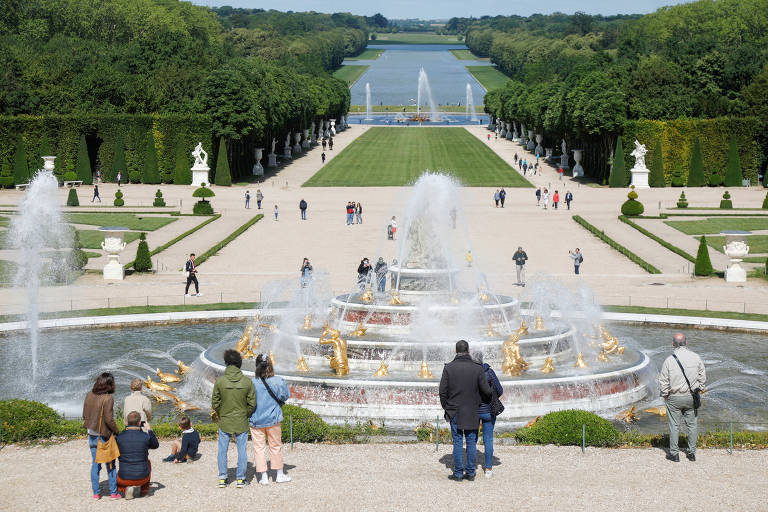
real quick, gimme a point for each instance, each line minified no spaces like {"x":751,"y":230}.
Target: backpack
{"x":581,"y":258}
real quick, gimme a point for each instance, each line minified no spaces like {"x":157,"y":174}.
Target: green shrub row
{"x":615,"y":245}
{"x":565,"y":428}
{"x":655,"y":238}
{"x":220,"y":245}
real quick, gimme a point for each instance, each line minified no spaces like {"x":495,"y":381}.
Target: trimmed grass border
{"x":634,"y":258}
{"x":350,"y":73}
{"x":699,"y":313}
{"x":219,"y":246}
{"x":488,"y":76}
{"x":466,"y":55}
{"x":715,"y":226}
{"x":182,"y":236}
{"x":657,"y":239}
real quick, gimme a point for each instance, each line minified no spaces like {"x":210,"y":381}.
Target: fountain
{"x":424,"y":96}
{"x":470,"y":104}
{"x":37,"y":228}
{"x":365,"y":354}
{"x":368,"y":102}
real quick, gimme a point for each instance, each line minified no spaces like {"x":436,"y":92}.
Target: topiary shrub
{"x":203,"y":207}
{"x":159,"y":201}
{"x":70,"y":176}
{"x":182,"y":174}
{"x":696,"y":172}
{"x":25,"y":420}
{"x":765,"y":202}
{"x":632,"y":207}
{"x":682,"y":202}
{"x":726,"y":202}
{"x":703,"y":266}
{"x":143,"y":262}
{"x":656,"y":176}
{"x":20,"y":164}
{"x":715,"y":179}
{"x":733,"y":174}
{"x":134,"y":176}
{"x":150,"y":173}
{"x":223,"y":177}
{"x":6,"y":174}
{"x":618,"y":177}
{"x":119,"y":199}
{"x":677,"y":176}
{"x":308,"y":427}
{"x":83,"y":163}
{"x":564,"y":428}
{"x":77,"y":258}
{"x":72,"y":199}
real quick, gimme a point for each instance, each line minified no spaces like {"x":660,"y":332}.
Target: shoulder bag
{"x":695,"y":393}
{"x":496,"y":406}
{"x":272,"y":393}
{"x":106,"y":451}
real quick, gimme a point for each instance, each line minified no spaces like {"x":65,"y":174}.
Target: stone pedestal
{"x":200,"y":174}
{"x":578,"y":170}
{"x":271,"y":160}
{"x":258,"y":170}
{"x":296,"y":144}
{"x":313,"y":135}
{"x":539,"y":150}
{"x":333,"y":127}
{"x":113,"y":245}
{"x":640,"y":177}
{"x":305,"y":139}
{"x":48,"y":163}
{"x":736,"y":249}
{"x":510,"y":133}
{"x":503,"y":132}
{"x":530,"y":146}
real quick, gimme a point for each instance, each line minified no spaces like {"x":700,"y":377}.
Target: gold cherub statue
{"x":539,"y":323}
{"x":483,"y":296}
{"x":513,"y":364}
{"x":339,"y":362}
{"x":168,"y":377}
{"x":602,"y":357}
{"x":580,"y":363}
{"x":162,"y":396}
{"x":359,"y":330}
{"x":383,"y":370}
{"x":523,"y":327}
{"x":156,"y":386}
{"x":183,"y":406}
{"x":425,"y":372}
{"x":548,"y":366}
{"x":302,"y":366}
{"x":395,"y":300}
{"x":659,"y":411}
{"x":367,"y":295}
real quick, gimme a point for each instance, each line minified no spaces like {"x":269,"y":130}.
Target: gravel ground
{"x":404,"y":477}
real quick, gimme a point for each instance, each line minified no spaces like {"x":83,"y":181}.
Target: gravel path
{"x":405,"y":477}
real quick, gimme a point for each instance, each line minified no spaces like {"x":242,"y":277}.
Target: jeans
{"x":303,"y":214}
{"x":458,"y":450}
{"x":349,"y":218}
{"x":359,"y":218}
{"x":275,"y":214}
{"x":258,"y":204}
{"x":381,"y":284}
{"x":576,"y":269}
{"x":241,"y":440}
{"x":96,"y":468}
{"x":568,"y":203}
{"x":488,"y":423}
{"x":192,"y":278}
{"x":681,"y":407}
{"x":247,"y":203}
{"x":555,"y":203}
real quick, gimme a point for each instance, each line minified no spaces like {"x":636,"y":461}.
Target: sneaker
{"x":241,"y":483}
{"x":198,"y":294}
{"x":187,"y":295}
{"x":282,"y":478}
{"x":129,"y":493}
{"x":455,"y":478}
{"x":264,"y":480}
{"x":489,"y":473}
{"x":673,"y":458}
{"x":115,"y":497}
{"x":169,"y":458}
{"x":691,"y":457}
{"x":97,"y":496}
{"x":469,"y":478}
{"x":222,"y":483}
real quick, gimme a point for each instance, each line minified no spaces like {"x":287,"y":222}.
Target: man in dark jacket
{"x":233,"y":400}
{"x":463,"y":387}
{"x":303,"y":208}
{"x":134,"y":443}
{"x":191,"y":269}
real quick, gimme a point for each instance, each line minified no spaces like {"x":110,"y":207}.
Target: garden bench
{"x":22,"y":186}
{"x":71,"y":184}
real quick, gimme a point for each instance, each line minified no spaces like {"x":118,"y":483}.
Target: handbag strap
{"x":101,"y":413}
{"x":684,"y":375}
{"x":272,"y":393}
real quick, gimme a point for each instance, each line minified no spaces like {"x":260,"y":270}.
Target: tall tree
{"x":703,"y":266}
{"x":149,"y":171}
{"x":20,"y":166}
{"x":618,"y":178}
{"x":656,"y":177}
{"x":696,"y":172}
{"x":83,"y":163}
{"x":733,"y":174}
{"x":182,"y":174}
{"x":223,"y":178}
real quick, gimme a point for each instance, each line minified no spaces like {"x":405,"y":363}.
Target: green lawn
{"x":7,"y":271}
{"x":350,"y":74}
{"x":488,"y":76}
{"x":368,"y":54}
{"x":415,"y":38}
{"x":397,"y":156}
{"x":758,"y":244}
{"x":91,"y":238}
{"x":466,"y":55}
{"x":3,"y":237}
{"x":716,"y":225}
{"x":128,"y":220}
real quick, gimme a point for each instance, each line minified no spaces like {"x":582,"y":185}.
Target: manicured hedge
{"x":565,"y":428}
{"x":219,"y":246}
{"x":634,"y":258}
{"x":24,"y":420}
{"x":660,"y":241}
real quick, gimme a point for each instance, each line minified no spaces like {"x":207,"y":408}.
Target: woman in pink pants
{"x":271,"y":394}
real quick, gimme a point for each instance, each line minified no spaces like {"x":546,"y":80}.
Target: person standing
{"x":350,"y":212}
{"x":136,"y":401}
{"x":99,"y":421}
{"x":525,"y":167}
{"x":191,"y":276}
{"x":247,"y":200}
{"x":489,"y":137}
{"x":359,"y":213}
{"x":96,"y":193}
{"x":682,"y":376}
{"x":306,"y":272}
{"x":303,"y":209}
{"x":487,"y":418}
{"x":259,"y":198}
{"x":363,"y":269}
{"x":560,"y":171}
{"x":266,"y":421}
{"x":502,"y":196}
{"x":577,"y":258}
{"x":381,"y":270}
{"x":325,"y":142}
{"x":233,"y":401}
{"x":135,"y":468}
{"x":538,"y":196}
{"x":322,"y":156}
{"x":119,"y":178}
{"x":515,"y":157}
{"x":545,"y":197}
{"x":277,"y":212}
{"x":555,"y":199}
{"x":520,"y":257}
{"x":393,"y":223}
{"x":330,"y":144}
{"x":463,"y":387}
{"x":568,"y":199}
{"x":496,"y":197}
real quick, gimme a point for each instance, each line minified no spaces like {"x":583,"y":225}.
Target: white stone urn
{"x":48,"y":163}
{"x":539,"y":150}
{"x":491,"y":124}
{"x":312,"y":135}
{"x":305,"y":139}
{"x":510,"y":133}
{"x":287,"y":152}
{"x":258,"y":170}
{"x":503,"y":132}
{"x":530,"y":145}
{"x":297,"y":144}
{"x":333,"y":127}
{"x":578,"y":170}
{"x":113,"y":245}
{"x":271,"y":157}
{"x":548,"y":153}
{"x":736,"y":249}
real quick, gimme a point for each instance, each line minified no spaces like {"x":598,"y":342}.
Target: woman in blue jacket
{"x":271,"y":394}
{"x":484,"y":411}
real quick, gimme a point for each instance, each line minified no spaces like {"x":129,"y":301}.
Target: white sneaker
{"x":488,"y":474}
{"x":282,"y":478}
{"x":198,"y":295}
{"x":187,"y":295}
{"x":264,"y":480}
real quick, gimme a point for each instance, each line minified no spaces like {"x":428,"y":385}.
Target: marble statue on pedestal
{"x":305,"y":139}
{"x":287,"y":147}
{"x":639,"y":171}
{"x":297,"y":144}
{"x":271,"y":157}
{"x":200,"y":168}
{"x":564,"y":156}
{"x":578,"y":170}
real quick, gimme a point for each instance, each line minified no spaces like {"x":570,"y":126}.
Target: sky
{"x":444,"y":9}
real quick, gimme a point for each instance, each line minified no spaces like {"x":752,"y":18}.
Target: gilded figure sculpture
{"x":580,"y":363}
{"x":514,"y":364}
{"x":168,"y":377}
{"x":307,"y":322}
{"x":156,"y":386}
{"x":367,"y":295}
{"x":602,"y":357}
{"x":301,"y":365}
{"x":425,"y":372}
{"x":627,"y":416}
{"x":383,"y":370}
{"x":183,"y":368}
{"x":658,"y":411}
{"x":395,"y":300}
{"x":339,"y":362}
{"x":548,"y":366}
{"x":183,"y":406}
{"x":359,"y":330}
{"x":539,"y":325}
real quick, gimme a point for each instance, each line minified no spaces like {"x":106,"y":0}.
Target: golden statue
{"x":490,"y":331}
{"x":374,"y":427}
{"x":339,"y":361}
{"x":533,"y":421}
{"x":523,"y":327}
{"x":271,"y":357}
{"x":539,"y":325}
{"x":307,"y":322}
{"x":183,"y":368}
{"x":383,"y":370}
{"x":627,"y":416}
{"x":183,"y":406}
{"x":425,"y":372}
{"x":611,"y":346}
{"x":255,"y":343}
{"x":244,"y":342}
{"x":162,"y":396}
{"x":602,"y":357}
{"x":659,"y":411}
{"x":548,"y":366}
{"x":156,"y":386}
{"x":214,"y":416}
{"x":359,"y":330}
{"x":483,"y":296}
{"x":367,"y":295}
{"x":580,"y":363}
{"x":168,"y":377}
{"x":302,"y":365}
{"x":514,"y":364}
{"x":395,"y":300}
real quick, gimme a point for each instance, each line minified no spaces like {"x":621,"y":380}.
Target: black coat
{"x":134,"y":445}
{"x":463,"y":387}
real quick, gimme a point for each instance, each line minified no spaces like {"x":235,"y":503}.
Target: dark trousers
{"x":192,"y":278}
{"x":95,"y":196}
{"x":568,"y":203}
{"x":258,"y":204}
{"x":576,"y":268}
{"x":304,"y":214}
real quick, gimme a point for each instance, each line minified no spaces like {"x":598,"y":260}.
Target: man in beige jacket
{"x":137,"y":402}
{"x":677,"y":395}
